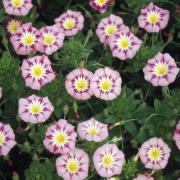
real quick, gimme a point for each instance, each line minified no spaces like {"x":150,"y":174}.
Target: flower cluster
{"x":123,"y":43}
{"x":105,"y":84}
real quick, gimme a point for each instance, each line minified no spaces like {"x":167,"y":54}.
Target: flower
{"x":176,"y":136}
{"x":92,"y":130}
{"x":0,"y":92}
{"x":24,"y":39}
{"x":51,"y":39}
{"x":73,"y":165}
{"x":35,"y":109}
{"x":78,"y":84}
{"x":60,"y":137}
{"x":106,"y":83}
{"x":37,"y":71}
{"x":12,"y":25}
{"x":108,"y":160}
{"x":145,"y":176}
{"x":100,"y":5}
{"x":124,"y":45}
{"x":153,"y":18}
{"x":17,"y":7}
{"x":161,"y":70}
{"x":71,"y":22}
{"x":154,"y":153}
{"x":109,"y":26}
{"x":7,"y":139}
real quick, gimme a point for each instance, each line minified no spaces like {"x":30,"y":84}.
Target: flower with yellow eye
{"x":51,"y":39}
{"x":60,"y":137}
{"x":70,"y":22}
{"x":108,"y":26}
{"x":7,"y":139}
{"x":73,"y":165}
{"x":25,"y":39}
{"x":92,"y":130}
{"x":154,"y":153}
{"x":78,"y":84}
{"x":153,"y":18}
{"x":37,"y":72}
{"x":100,"y":5}
{"x":108,"y":160}
{"x":106,"y":84}
{"x":35,"y":109}
{"x":12,"y":25}
{"x":161,"y":70}
{"x":17,"y":7}
{"x":124,"y":45}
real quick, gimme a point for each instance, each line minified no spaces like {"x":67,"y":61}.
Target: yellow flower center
{"x":37,"y":71}
{"x":13,"y":27}
{"x":72,"y":166}
{"x":105,"y":85}
{"x":101,"y":2}
{"x":69,"y":23}
{"x":161,"y":70}
{"x":107,"y":161}
{"x":2,"y":138}
{"x":110,"y":29}
{"x":81,"y":84}
{"x":49,"y":39}
{"x":60,"y":138}
{"x":154,"y":154}
{"x":35,"y":108}
{"x":124,"y":43}
{"x":17,"y":3}
{"x":28,"y":39}
{"x":93,"y":131}
{"x":153,"y":17}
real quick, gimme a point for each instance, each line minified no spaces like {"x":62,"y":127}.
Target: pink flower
{"x":24,"y":39}
{"x":37,"y":71}
{"x":100,"y":5}
{"x":108,"y":160}
{"x":60,"y":137}
{"x":35,"y":109}
{"x":73,"y":165}
{"x":154,"y":153}
{"x":7,"y":139}
{"x":124,"y":45}
{"x":109,"y":26}
{"x":17,"y":7}
{"x":153,"y":18}
{"x":12,"y":25}
{"x":161,"y":70}
{"x":71,"y":22}
{"x":78,"y":84}
{"x":92,"y":130}
{"x":0,"y":92}
{"x":106,"y":83}
{"x":51,"y":39}
{"x":176,"y":136}
{"x":144,"y":177}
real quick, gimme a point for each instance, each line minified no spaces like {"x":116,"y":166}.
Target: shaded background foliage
{"x":140,"y":112}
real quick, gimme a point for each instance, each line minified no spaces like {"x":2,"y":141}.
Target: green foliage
{"x":129,"y":169}
{"x":73,"y":54}
{"x":41,"y":171}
